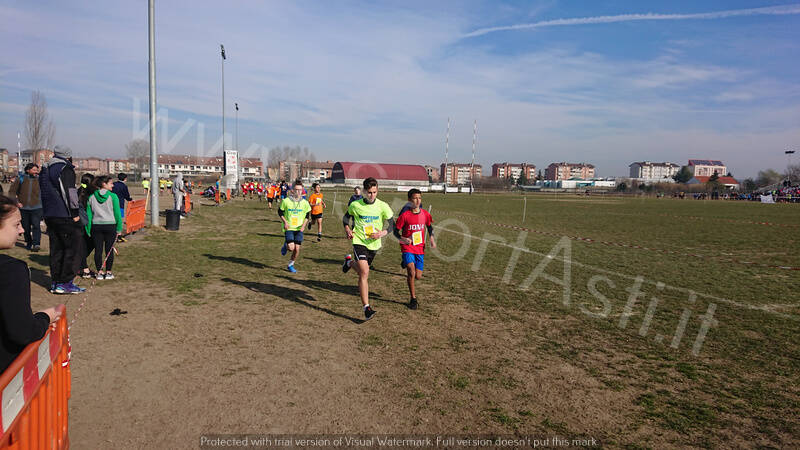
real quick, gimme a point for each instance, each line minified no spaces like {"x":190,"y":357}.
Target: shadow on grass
{"x":293,"y":295}
{"x":272,"y":235}
{"x":336,"y":287}
{"x":339,"y":262}
{"x":40,"y":277}
{"x":237,"y":260}
{"x":39,"y":258}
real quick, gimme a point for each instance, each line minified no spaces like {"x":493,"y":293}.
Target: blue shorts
{"x":417,"y":260}
{"x":294,"y":236}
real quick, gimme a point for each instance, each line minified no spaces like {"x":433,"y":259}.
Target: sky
{"x":603,"y":82}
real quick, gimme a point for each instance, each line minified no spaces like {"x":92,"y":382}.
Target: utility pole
{"x":446,"y":148}
{"x":151,"y":25}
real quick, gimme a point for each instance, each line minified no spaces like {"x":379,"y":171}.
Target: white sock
{"x":291,"y":262}
{"x":366,"y":306}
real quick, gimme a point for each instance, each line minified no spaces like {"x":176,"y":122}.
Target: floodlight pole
{"x":154,"y":190}
{"x":446,"y":148}
{"x":222,"y":52}
{"x":472,"y":165}
{"x":237,"y":126}
{"x":19,"y":152}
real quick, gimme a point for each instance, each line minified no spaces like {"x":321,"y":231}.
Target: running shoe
{"x":72,"y":289}
{"x":291,"y":269}
{"x":109,"y":276}
{"x":58,"y":288}
{"x":101,"y":276}
{"x":412,"y":304}
{"x":346,"y":265}
{"x":368,"y":313}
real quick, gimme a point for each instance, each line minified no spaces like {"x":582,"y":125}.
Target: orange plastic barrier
{"x":36,"y":388}
{"x":187,"y":203}
{"x":227,"y":195}
{"x":134,"y":215}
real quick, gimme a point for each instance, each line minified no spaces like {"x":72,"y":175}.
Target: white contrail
{"x":770,"y":11}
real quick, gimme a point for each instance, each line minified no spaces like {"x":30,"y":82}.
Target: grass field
{"x":561,"y":327}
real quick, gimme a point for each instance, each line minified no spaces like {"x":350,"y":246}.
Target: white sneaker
{"x":109,"y":276}
{"x":100,"y":276}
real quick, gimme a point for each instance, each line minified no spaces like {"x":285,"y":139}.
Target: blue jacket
{"x":121,"y":189}
{"x":57,"y":188}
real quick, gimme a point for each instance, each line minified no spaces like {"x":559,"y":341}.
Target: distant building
{"x":92,"y":164}
{"x":38,"y":157}
{"x":707,"y":167}
{"x":116,"y":166}
{"x":459,"y":174}
{"x":514,"y":171}
{"x":433,"y":173}
{"x":201,"y":166}
{"x":568,"y":171}
{"x":728,"y":182}
{"x":647,"y":170}
{"x":308,"y":170}
{"x":391,"y":175}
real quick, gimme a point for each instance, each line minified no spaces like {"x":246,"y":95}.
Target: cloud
{"x":770,"y":10}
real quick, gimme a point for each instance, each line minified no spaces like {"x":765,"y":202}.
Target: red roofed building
{"x":354,"y":173}
{"x":728,"y":182}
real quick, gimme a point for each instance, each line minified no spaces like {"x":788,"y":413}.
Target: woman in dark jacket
{"x":19,"y":326}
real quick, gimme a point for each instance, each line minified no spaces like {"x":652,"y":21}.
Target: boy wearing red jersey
{"x":410,"y":231}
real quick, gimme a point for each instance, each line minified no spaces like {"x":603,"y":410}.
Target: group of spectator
{"x":80,"y":218}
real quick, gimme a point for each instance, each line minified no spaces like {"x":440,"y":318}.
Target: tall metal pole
{"x":472,"y":164}
{"x":222,"y":51}
{"x":237,"y":126}
{"x":446,"y":148}
{"x":19,"y":152}
{"x":151,"y":25}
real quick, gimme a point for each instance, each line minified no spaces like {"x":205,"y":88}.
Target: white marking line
{"x":611,"y":272}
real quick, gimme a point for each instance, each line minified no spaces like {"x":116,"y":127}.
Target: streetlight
{"x":237,"y":126}
{"x":222,"y":51}
{"x":151,"y":25}
{"x":19,"y":153}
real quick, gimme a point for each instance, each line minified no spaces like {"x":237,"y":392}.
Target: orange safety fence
{"x":36,"y":388}
{"x":187,"y":203}
{"x":135,"y":215}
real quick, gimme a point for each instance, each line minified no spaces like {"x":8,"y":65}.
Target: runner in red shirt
{"x":410,"y":230}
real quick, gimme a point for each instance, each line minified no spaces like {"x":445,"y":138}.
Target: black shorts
{"x":363,"y":253}
{"x":316,"y":216}
{"x":270,"y":199}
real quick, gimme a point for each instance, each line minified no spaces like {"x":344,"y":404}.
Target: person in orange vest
{"x":317,"y":206}
{"x":270,"y":195}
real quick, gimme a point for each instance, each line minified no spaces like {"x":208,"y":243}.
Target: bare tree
{"x":793,"y":173}
{"x":39,"y":128}
{"x":295,"y":159}
{"x":768,"y":178}
{"x":138,"y":151}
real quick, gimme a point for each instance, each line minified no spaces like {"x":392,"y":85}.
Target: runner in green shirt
{"x":294,"y":212}
{"x":363,"y":223}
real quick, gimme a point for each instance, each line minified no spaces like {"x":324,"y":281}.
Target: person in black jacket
{"x":60,"y":204}
{"x":19,"y":326}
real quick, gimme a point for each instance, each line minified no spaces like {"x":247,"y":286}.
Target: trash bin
{"x":173,"y":219}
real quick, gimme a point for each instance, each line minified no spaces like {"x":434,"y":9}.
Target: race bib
{"x":368,"y":230}
{"x":318,"y":201}
{"x":295,"y":222}
{"x":416,"y":238}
